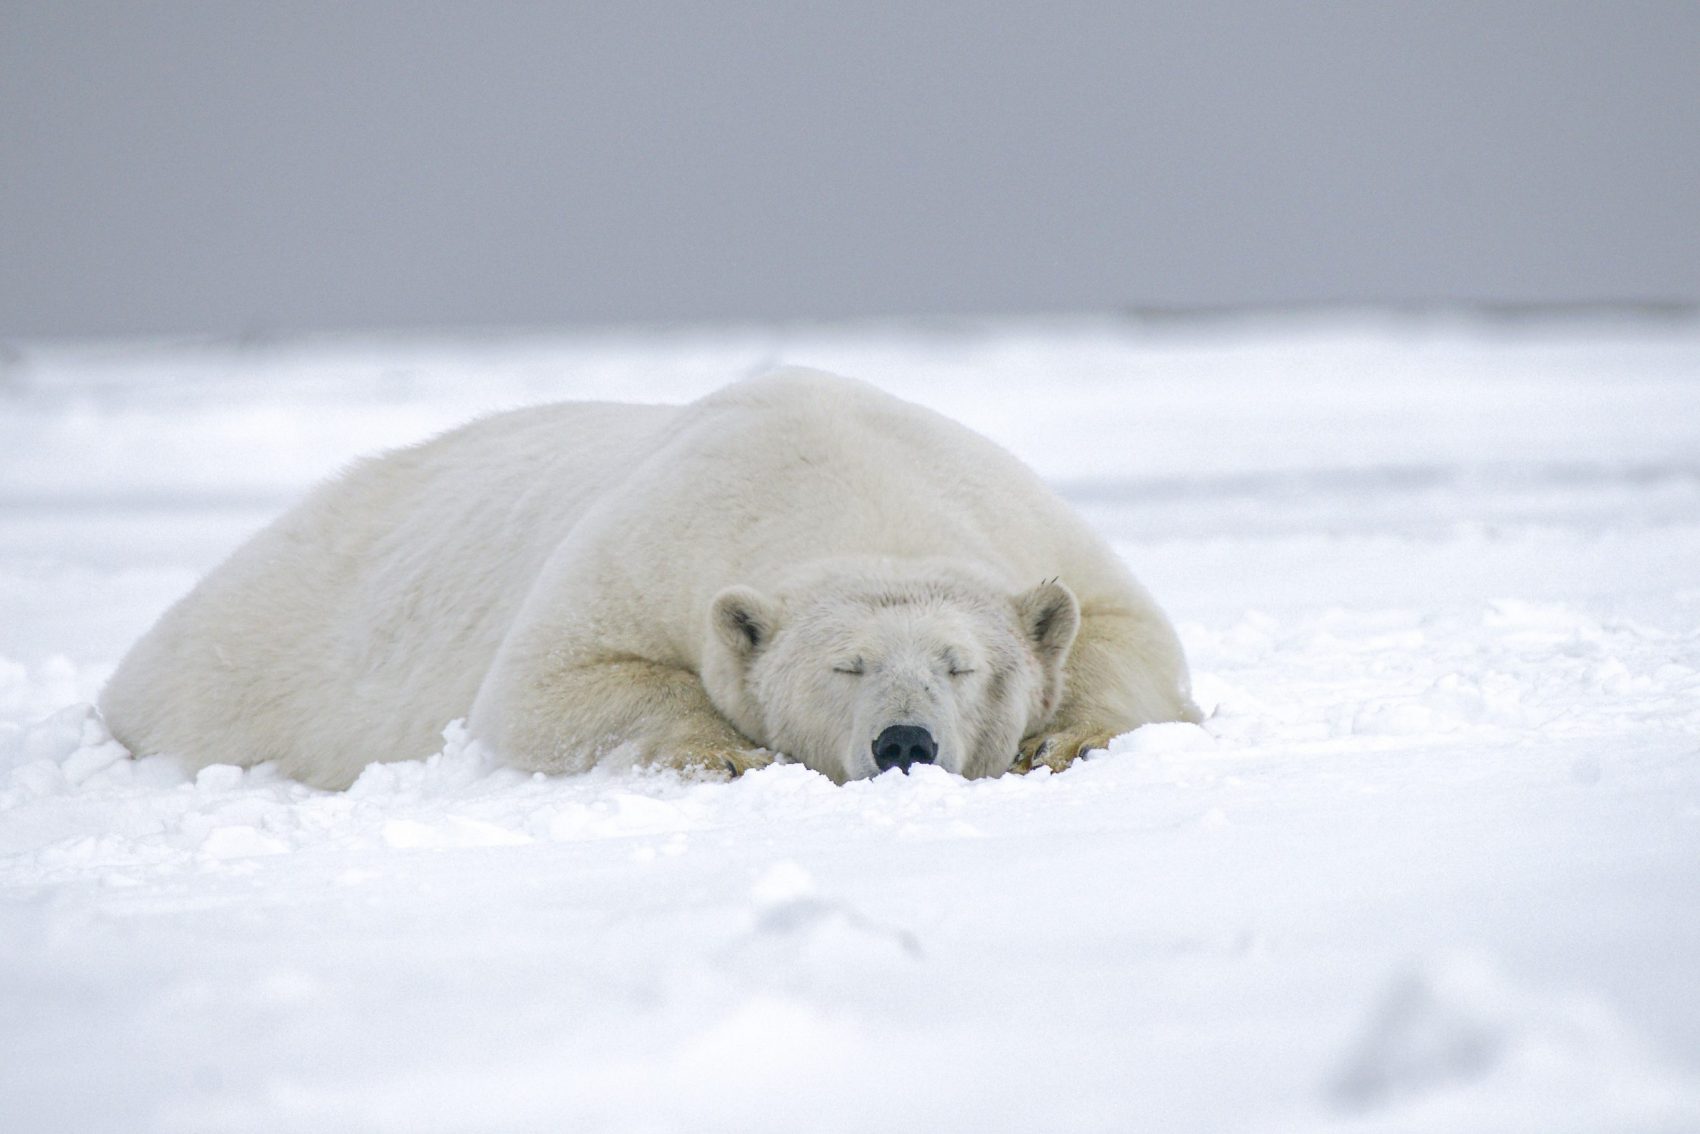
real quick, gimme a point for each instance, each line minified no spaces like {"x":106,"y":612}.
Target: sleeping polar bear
{"x":797,"y":564}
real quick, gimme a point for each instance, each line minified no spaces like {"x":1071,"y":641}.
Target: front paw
{"x":1057,"y":750}
{"x":716,"y":762}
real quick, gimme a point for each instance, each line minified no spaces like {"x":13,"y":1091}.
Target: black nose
{"x":902,"y":745}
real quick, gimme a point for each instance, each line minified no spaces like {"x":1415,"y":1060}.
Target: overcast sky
{"x":231,"y":166}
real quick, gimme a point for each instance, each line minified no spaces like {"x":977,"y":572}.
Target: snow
{"x":1431,"y":864}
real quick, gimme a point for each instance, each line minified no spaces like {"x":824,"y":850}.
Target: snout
{"x":902,"y":745}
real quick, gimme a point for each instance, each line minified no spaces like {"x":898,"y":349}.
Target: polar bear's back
{"x":359,"y":623}
{"x":799,"y":466}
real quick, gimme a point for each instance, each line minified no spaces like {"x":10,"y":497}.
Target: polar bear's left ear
{"x":744,"y":619}
{"x":1050,"y":615}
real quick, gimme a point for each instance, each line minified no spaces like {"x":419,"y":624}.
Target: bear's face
{"x":854,"y":676}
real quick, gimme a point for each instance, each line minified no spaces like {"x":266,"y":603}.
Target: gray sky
{"x":231,"y":166}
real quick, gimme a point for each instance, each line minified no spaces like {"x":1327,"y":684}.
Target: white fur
{"x":581,"y":578}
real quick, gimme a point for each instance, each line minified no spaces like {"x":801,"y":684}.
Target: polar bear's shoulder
{"x":793,"y":386}
{"x":808,"y":405}
{"x":803,"y":391}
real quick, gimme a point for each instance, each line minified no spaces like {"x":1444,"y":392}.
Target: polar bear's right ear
{"x":744,"y":619}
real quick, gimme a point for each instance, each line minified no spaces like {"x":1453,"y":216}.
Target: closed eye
{"x":854,"y":669}
{"x":954,"y":672}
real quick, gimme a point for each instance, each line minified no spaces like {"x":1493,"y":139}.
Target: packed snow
{"x":1432,"y":862}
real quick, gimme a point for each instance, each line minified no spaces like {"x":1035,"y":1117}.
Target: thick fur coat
{"x":797,"y":563}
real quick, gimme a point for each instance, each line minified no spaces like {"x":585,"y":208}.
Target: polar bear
{"x":798,"y":564}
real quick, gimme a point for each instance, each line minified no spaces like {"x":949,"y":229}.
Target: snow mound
{"x":1456,"y":1045}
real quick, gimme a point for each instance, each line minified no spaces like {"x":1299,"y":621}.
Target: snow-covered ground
{"x":1433,"y":863}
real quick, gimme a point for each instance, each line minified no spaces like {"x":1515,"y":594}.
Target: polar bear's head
{"x":853,"y":672}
